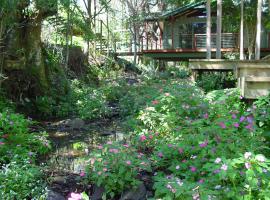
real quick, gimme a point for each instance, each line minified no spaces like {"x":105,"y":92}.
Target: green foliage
{"x":116,"y":167}
{"x":90,"y":102}
{"x":16,"y":141}
{"x":21,"y":181}
{"x":5,"y":104}
{"x":216,"y":81}
{"x":262,"y":115}
{"x":19,"y":177}
{"x":199,"y":146}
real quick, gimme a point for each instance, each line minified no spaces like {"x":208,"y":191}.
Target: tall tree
{"x":258,"y":34}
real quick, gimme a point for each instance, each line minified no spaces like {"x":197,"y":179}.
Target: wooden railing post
{"x":195,"y":41}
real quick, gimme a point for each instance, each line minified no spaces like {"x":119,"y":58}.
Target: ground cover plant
{"x":195,"y":146}
{"x":20,"y":177}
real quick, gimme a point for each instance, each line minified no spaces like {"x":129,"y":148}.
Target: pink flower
{"x":5,"y":136}
{"x":105,"y":169}
{"x":126,"y":145}
{"x":242,"y":118}
{"x":236,"y":125}
{"x":201,"y":181}
{"x":170,"y":145}
{"x":82,"y":174}
{"x":151,"y":137}
{"x":216,"y":171}
{"x":160,"y":154}
{"x":180,"y":150}
{"x":250,"y":119}
{"x":143,"y":138}
{"x":167,"y":94}
{"x":100,"y":147}
{"x":128,"y":162}
{"x":247,"y":165}
{"x":234,"y":116}
{"x":249,"y":127}
{"x":155,"y":102}
{"x":205,"y":116}
{"x":183,"y":161}
{"x":75,"y":196}
{"x":109,"y":142}
{"x":2,"y":143}
{"x":222,"y":125}
{"x":193,"y":169}
{"x":113,"y":150}
{"x":204,"y":144}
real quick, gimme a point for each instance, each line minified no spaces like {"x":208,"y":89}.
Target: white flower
{"x":218,"y":160}
{"x":224,"y":167}
{"x":217,"y":187}
{"x":260,"y":158}
{"x":177,"y":167}
{"x":247,"y":155}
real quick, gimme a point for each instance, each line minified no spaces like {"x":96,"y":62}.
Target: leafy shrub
{"x":90,"y":102}
{"x":116,"y":167}
{"x":15,"y":138}
{"x":21,"y":181}
{"x":216,"y":80}
{"x":198,"y":146}
{"x":5,"y":104}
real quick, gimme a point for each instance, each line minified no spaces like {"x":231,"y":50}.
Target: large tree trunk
{"x":258,"y":34}
{"x":208,"y":29}
{"x":24,"y":62}
{"x":219,"y":28}
{"x":242,"y":31}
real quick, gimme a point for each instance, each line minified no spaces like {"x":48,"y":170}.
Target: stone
{"x":97,"y":193}
{"x":52,"y":195}
{"x":76,"y":123}
{"x":137,"y":194}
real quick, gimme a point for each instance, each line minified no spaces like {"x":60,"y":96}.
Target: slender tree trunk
{"x":258,"y":34}
{"x":1,"y":51}
{"x":95,"y":24}
{"x":89,"y":10}
{"x":135,"y":44}
{"x":108,"y":33}
{"x":67,"y":35}
{"x":219,"y":28}
{"x":242,"y":31}
{"x":208,"y":29}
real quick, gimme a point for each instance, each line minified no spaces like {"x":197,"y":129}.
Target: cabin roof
{"x":184,"y":9}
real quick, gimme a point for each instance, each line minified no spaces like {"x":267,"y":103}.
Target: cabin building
{"x":181,"y":34}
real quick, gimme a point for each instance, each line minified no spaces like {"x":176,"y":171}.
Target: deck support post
{"x":208,"y":29}
{"x":242,"y":31}
{"x":259,"y":27}
{"x":219,"y":28}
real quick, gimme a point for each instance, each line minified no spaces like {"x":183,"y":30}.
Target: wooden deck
{"x":253,"y":77}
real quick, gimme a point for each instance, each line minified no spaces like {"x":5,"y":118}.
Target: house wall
{"x":175,"y":28}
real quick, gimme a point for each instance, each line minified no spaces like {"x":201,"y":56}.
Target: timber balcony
{"x":186,"y":46}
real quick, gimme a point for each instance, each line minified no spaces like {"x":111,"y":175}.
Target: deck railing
{"x":184,"y":42}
